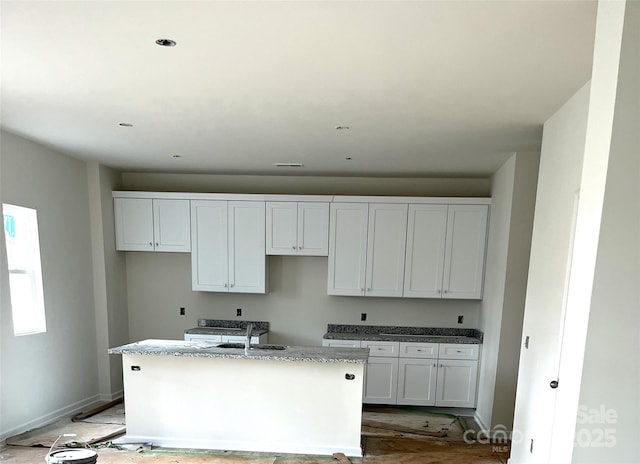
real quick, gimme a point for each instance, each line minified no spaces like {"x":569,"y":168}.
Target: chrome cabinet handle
{"x":293,"y":247}
{"x":299,"y":248}
{"x":151,"y":244}
{"x":225,"y":285}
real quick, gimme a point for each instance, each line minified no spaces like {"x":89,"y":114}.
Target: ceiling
{"x":448,"y":88}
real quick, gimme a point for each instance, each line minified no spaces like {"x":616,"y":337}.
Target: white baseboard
{"x":49,"y":417}
{"x":496,"y":433}
{"x":111,"y":396}
{"x":483,"y":425}
{"x":239,"y":445}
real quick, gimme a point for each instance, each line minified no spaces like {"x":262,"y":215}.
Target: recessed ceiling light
{"x":166,"y":42}
{"x":288,"y":165}
{"x":176,"y":156}
{"x":348,"y":158}
{"x":342,"y":128}
{"x":125,"y":124}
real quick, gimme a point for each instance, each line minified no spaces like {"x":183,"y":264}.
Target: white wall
{"x":600,"y":293}
{"x":48,"y":374}
{"x":513,"y":198}
{"x":306,"y":185}
{"x":110,"y":289}
{"x":297,"y":305}
{"x":611,"y":379}
{"x":559,"y":179}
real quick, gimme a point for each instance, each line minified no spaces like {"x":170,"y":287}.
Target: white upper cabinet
{"x":171,"y":225}
{"x":426,"y":235}
{"x":367,"y":249}
{"x":144,"y":224}
{"x":297,"y":228}
{"x":347,"y":248}
{"x":386,"y":241}
{"x":228,"y":246}
{"x":445,"y":251}
{"x":465,"y":251}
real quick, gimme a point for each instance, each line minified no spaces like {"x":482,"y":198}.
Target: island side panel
{"x":244,"y":404}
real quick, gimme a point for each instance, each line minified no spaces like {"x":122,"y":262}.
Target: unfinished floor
{"x":389,"y":435}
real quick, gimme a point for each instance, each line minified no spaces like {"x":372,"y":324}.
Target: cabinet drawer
{"x":341,"y":343}
{"x":418,"y":350}
{"x":458,"y":351}
{"x":381,"y":349}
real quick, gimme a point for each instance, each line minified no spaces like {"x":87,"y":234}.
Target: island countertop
{"x":193,"y":349}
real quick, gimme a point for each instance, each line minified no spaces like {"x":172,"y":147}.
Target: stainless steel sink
{"x":253,"y":347}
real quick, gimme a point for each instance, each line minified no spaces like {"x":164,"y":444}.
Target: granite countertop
{"x":226,"y":327}
{"x":210,"y":350}
{"x":403,"y":334}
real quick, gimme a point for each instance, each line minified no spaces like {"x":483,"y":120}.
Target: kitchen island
{"x":182,"y":394}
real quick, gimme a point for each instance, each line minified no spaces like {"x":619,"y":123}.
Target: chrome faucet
{"x":247,"y":341}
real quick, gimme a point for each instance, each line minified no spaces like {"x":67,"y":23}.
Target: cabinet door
{"x":417,"y":381}
{"x":209,"y":262}
{"x":313,"y":229}
{"x":456,"y":384}
{"x":465,"y":250}
{"x":134,"y":224}
{"x":426,"y":235}
{"x":386,"y":243}
{"x":282,"y":227}
{"x":171,"y":225}
{"x":381,"y":379}
{"x":247,"y":261}
{"x":347,"y":248}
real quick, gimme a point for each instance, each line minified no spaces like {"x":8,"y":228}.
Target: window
{"x":25,"y":271}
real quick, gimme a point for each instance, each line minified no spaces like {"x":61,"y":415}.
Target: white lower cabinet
{"x":457,"y":383}
{"x":380,"y":381}
{"x":417,"y":381}
{"x":418,"y":374}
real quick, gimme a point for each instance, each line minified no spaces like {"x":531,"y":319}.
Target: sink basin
{"x":253,"y":347}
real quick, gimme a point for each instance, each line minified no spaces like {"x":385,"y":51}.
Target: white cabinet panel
{"x":426,"y":235}
{"x":381,"y":348}
{"x":381,"y":380}
{"x":457,"y":381}
{"x":313,"y":229}
{"x":386,"y":241}
{"x":145,"y":224}
{"x":282,"y":227}
{"x":171,"y":225}
{"x":465,"y":251}
{"x":418,"y":350}
{"x":297,"y":228}
{"x":347,"y":248}
{"x":445,"y":251}
{"x":458,"y":351}
{"x":247,"y":262}
{"x":417,"y":381}
{"x":134,"y":224}
{"x":367,"y":249}
{"x":228,"y":246}
{"x":341,"y":343}
{"x":209,"y":265}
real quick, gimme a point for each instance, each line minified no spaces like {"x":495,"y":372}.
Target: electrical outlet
{"x":182,"y":311}
{"x":363,"y":316}
{"x":238,"y":312}
{"x":460,"y":319}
